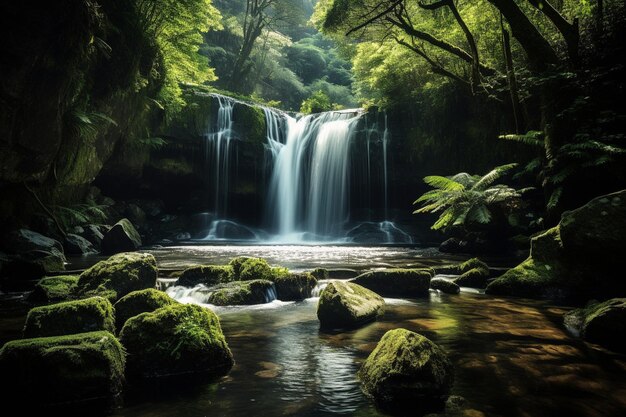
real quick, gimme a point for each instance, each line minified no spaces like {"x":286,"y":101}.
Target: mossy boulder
{"x":122,"y":237}
{"x":396,"y":282}
{"x":33,"y":264}
{"x":602,"y":323}
{"x":53,"y":289}
{"x":77,"y":368}
{"x":320,"y":273}
{"x":474,"y":278}
{"x":258,"y":291}
{"x":407,"y":371}
{"x":175,"y":340}
{"x":247,"y":268}
{"x":443,"y":285}
{"x":348,"y":305}
{"x":118,"y":276}
{"x":208,"y":275}
{"x":138,"y":302}
{"x":530,"y":279}
{"x":294,"y":287}
{"x":69,"y":317}
{"x":461,"y":268}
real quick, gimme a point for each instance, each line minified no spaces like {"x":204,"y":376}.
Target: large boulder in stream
{"x":345,"y":305}
{"x":294,"y":287}
{"x":118,"y":275}
{"x":601,"y":323}
{"x":248,"y":268}
{"x":138,"y":302}
{"x":396,"y":282}
{"x":77,"y":245}
{"x":53,"y":289}
{"x":122,"y":237}
{"x":70,"y":317}
{"x":32,"y":256}
{"x":63,"y":370}
{"x":444,"y":285}
{"x":258,"y":291}
{"x":474,"y":278}
{"x":208,"y":275}
{"x":180,"y":339}
{"x":407,"y":371}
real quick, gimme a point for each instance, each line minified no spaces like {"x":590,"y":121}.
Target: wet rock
{"x":342,"y":273}
{"x":118,"y":276}
{"x":94,"y":235}
{"x":474,"y":278}
{"x":458,"y":269}
{"x":294,"y":287}
{"x":320,"y":273}
{"x":77,"y":245}
{"x":348,"y":305}
{"x":257,"y":291}
{"x":602,"y":323}
{"x":396,"y":282}
{"x":53,"y":289}
{"x":123,"y":237}
{"x":443,"y":285}
{"x":24,"y":240}
{"x":183,"y":236}
{"x":138,"y":302}
{"x":78,"y":368}
{"x":247,"y":268}
{"x":70,"y":317}
{"x":208,"y":275}
{"x":407,"y":371}
{"x":453,"y":245}
{"x":176,"y":340}
{"x":33,"y":264}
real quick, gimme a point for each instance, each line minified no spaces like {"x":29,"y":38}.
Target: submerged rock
{"x":601,"y":323}
{"x":78,"y":368}
{"x":348,"y":305}
{"x":70,"y":317}
{"x":396,"y":282}
{"x":118,"y":275}
{"x":138,"y":302}
{"x":406,"y":371}
{"x":294,"y":287}
{"x":444,"y":285}
{"x":258,"y":291}
{"x":174,"y":340}
{"x":122,"y":237}
{"x":53,"y":289}
{"x":206,"y":274}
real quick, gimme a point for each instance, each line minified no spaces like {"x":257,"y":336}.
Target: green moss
{"x":547,"y":246}
{"x":407,"y":369}
{"x":347,"y":305}
{"x":138,"y":302}
{"x":444,"y":285}
{"x":53,"y":289}
{"x":294,"y":287}
{"x":602,"y":323}
{"x":118,"y":276}
{"x":177,"y":339}
{"x":80,"y":316}
{"x":172,"y":167}
{"x":528,"y":279}
{"x":73,"y":368}
{"x":208,"y":275}
{"x":250,"y":121}
{"x":474,"y":263}
{"x":242,"y":293}
{"x":247,"y":268}
{"x":396,"y":282}
{"x":474,"y":278}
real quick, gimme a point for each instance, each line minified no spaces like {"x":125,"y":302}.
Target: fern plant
{"x":465,"y":200}
{"x":80,"y":214}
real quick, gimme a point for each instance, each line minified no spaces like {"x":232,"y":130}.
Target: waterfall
{"x":218,"y":153}
{"x":385,"y":140}
{"x":309,"y":189}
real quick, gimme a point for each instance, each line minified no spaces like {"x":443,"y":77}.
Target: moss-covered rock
{"x":547,"y":247}
{"x":77,"y":368}
{"x":247,"y":268}
{"x":174,"y":340}
{"x":443,"y":285}
{"x":294,"y":287}
{"x":53,"y":289}
{"x":258,"y":291}
{"x":602,"y":323}
{"x":348,"y":305}
{"x":118,"y":275}
{"x":458,"y":269}
{"x":474,"y":278}
{"x":320,"y":273}
{"x":138,"y":302}
{"x":396,"y":282}
{"x":208,"y":275}
{"x":33,"y":264}
{"x":122,"y":237}
{"x":407,"y":371}
{"x":70,"y":317}
{"x":531,"y":279}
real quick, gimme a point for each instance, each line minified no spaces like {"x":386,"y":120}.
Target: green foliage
{"x":80,"y":214}
{"x":318,"y":102}
{"x":466,"y":200}
{"x":87,"y":125}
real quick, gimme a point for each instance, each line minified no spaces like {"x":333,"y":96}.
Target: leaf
{"x":532,"y":138}
{"x":443,"y":183}
{"x":492,"y":176}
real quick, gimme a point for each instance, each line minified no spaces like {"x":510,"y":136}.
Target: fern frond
{"x":479,"y":213}
{"x":492,"y":176}
{"x":531,"y":138}
{"x":555,"y":197}
{"x":443,"y":183}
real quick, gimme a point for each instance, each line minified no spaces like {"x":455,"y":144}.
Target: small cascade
{"x":270,"y":294}
{"x":219,"y":154}
{"x":319,"y":288}
{"x":197,"y":295}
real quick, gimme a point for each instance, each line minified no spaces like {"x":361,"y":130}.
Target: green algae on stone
{"x":85,"y":367}
{"x":256,"y":291}
{"x":348,"y":305}
{"x":79,"y":316}
{"x":294,"y":287}
{"x":396,"y":282}
{"x":407,"y":370}
{"x":443,"y":285}
{"x":176,"y":340}
{"x":53,"y":289}
{"x":206,"y":274}
{"x":602,"y":323}
{"x":247,"y":268}
{"x":474,"y":278}
{"x":117,"y":276}
{"x":138,"y":302}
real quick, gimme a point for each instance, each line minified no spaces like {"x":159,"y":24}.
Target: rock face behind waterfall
{"x":176,"y":340}
{"x":406,"y":371}
{"x":348,"y":305}
{"x":396,"y":282}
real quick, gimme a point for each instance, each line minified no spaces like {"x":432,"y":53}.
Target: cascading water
{"x":219,"y":154}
